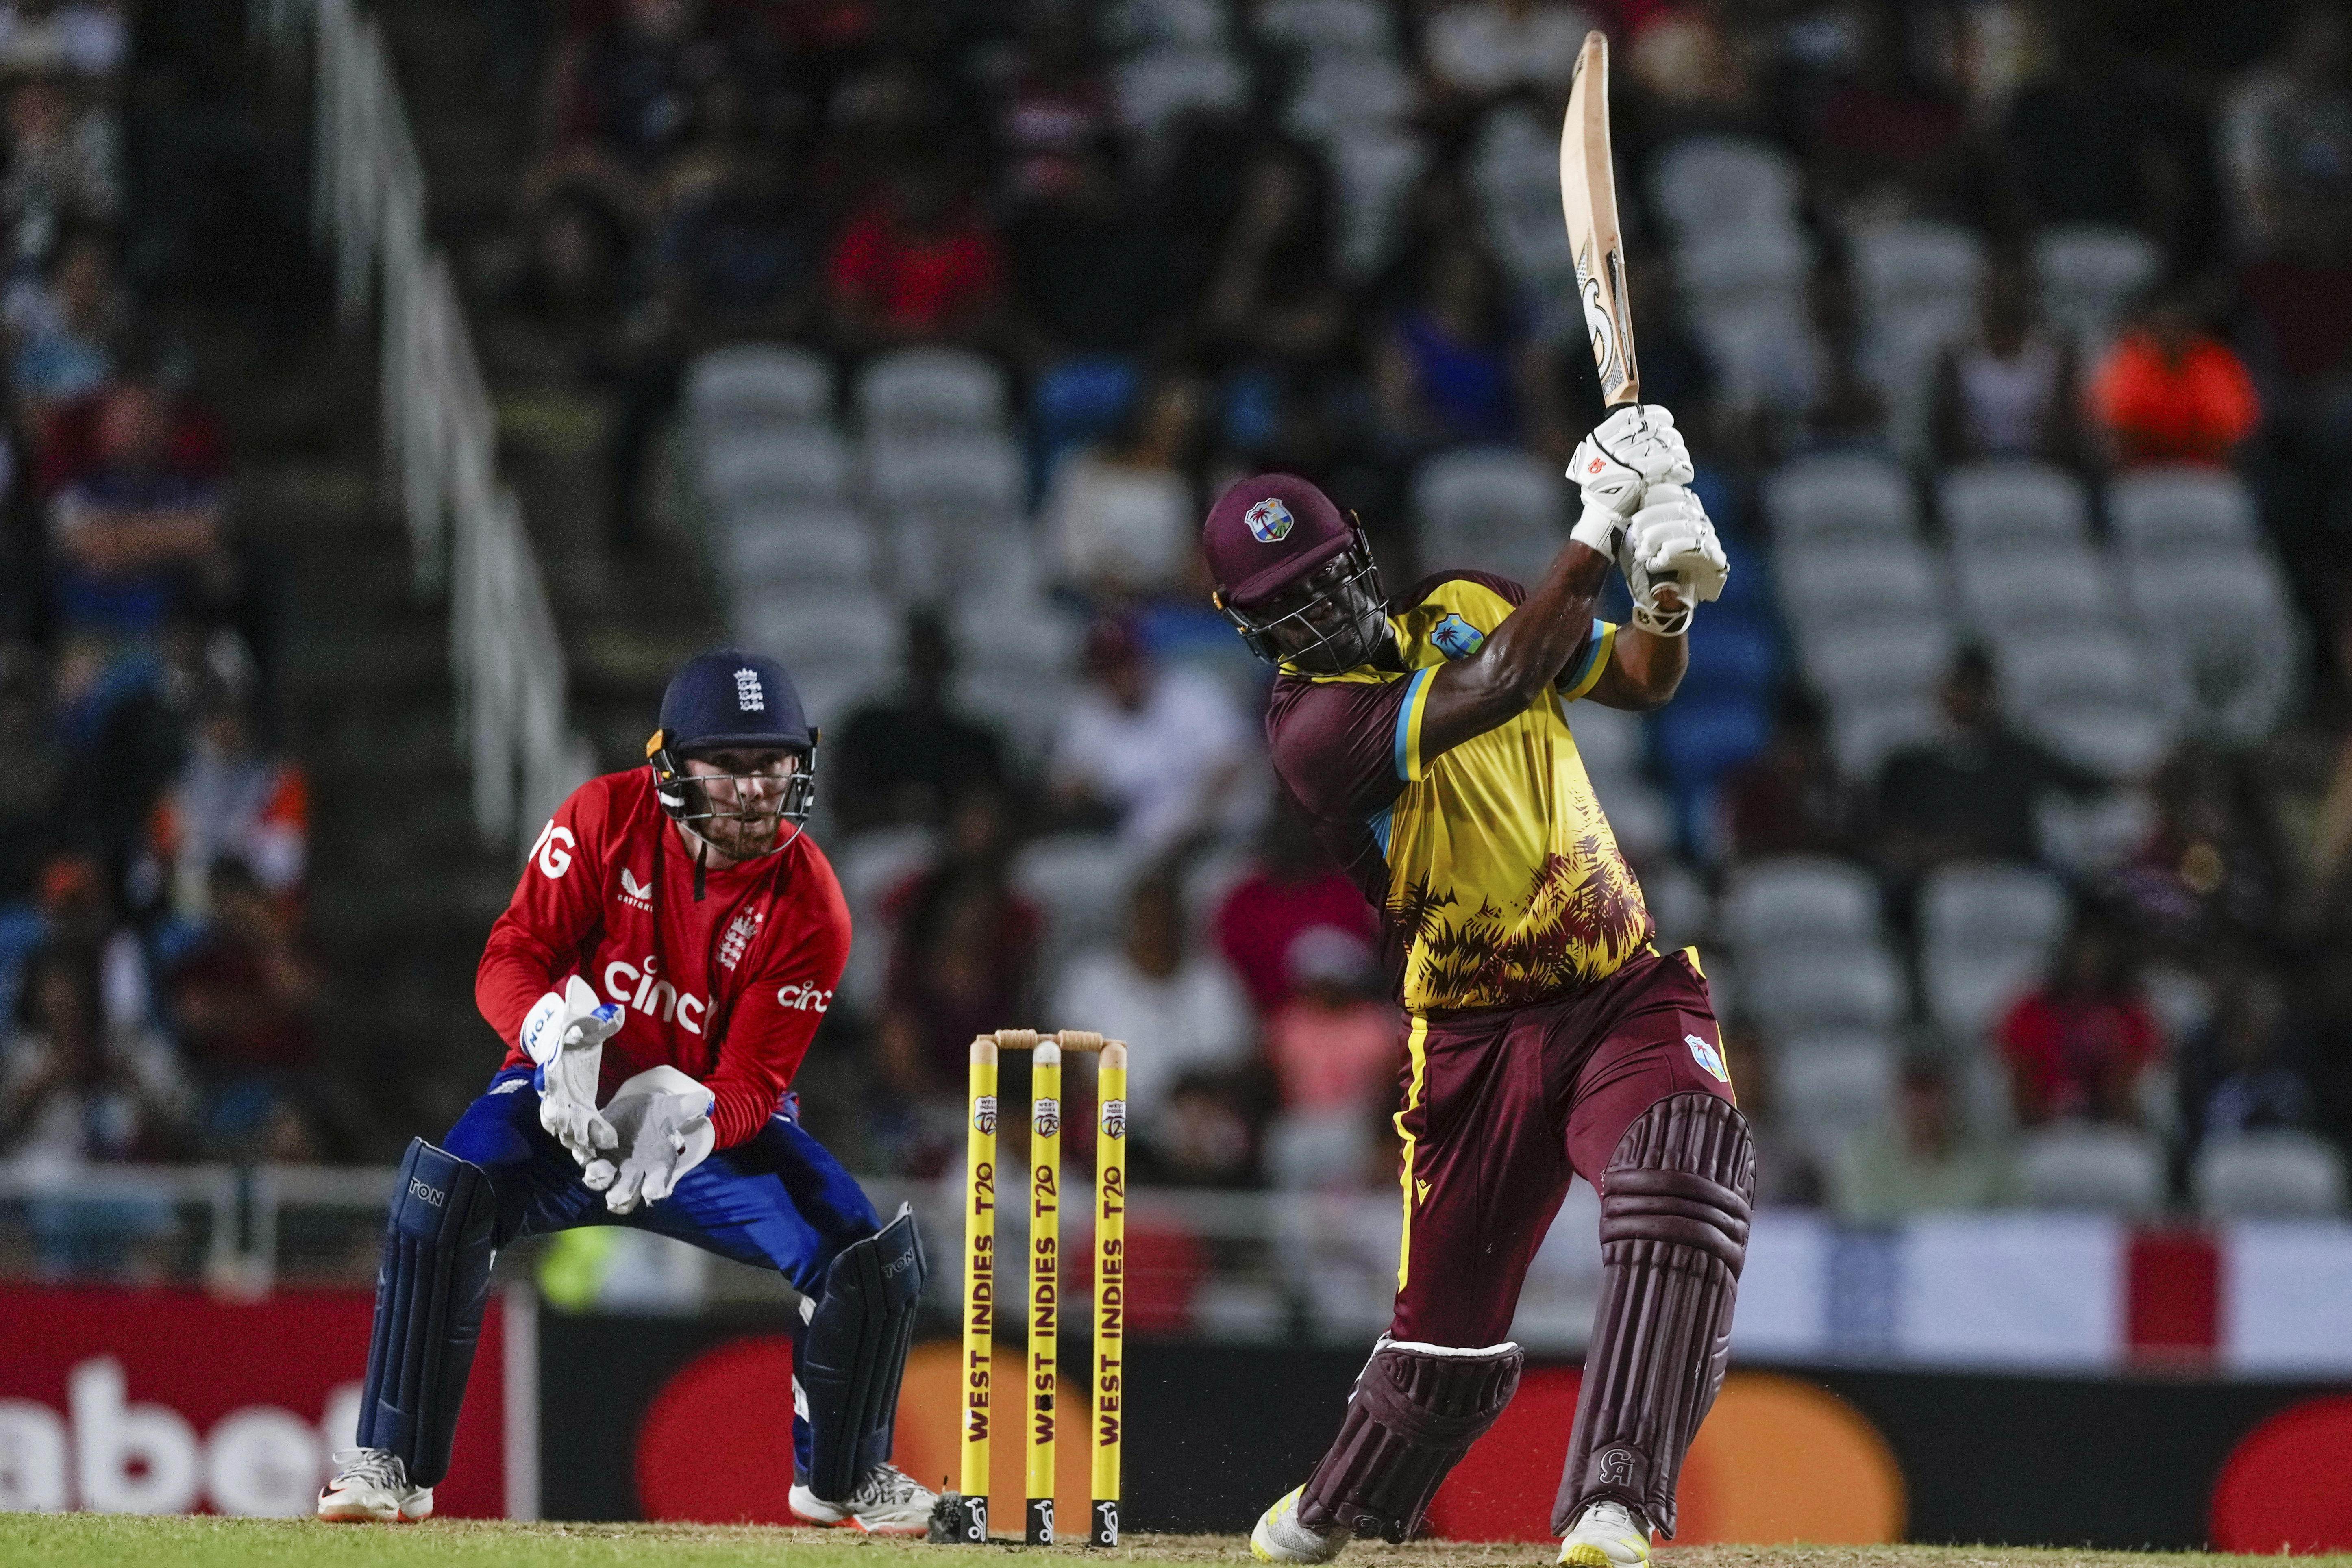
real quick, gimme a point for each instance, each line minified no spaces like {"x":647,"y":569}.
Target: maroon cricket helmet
{"x":1267,"y":532}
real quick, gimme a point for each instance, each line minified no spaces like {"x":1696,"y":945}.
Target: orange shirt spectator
{"x":2167,"y":393}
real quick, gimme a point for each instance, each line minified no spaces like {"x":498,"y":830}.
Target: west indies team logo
{"x":1047,"y":1119}
{"x":1269,"y":521}
{"x":1455,"y":637}
{"x":1114,"y":1119}
{"x":1708,"y":1057}
{"x":983,"y":1115}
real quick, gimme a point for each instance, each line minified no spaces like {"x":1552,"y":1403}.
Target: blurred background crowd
{"x":2009,"y":800}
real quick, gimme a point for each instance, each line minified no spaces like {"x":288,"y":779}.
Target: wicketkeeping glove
{"x":1614,"y":466}
{"x":564,"y":1034}
{"x":663,"y":1118}
{"x":1671,"y":543}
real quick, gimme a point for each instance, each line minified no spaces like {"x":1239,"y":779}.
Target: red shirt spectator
{"x":2169,"y":392}
{"x":2076,"y":1045}
{"x":1294,"y":891}
{"x":915,"y":266}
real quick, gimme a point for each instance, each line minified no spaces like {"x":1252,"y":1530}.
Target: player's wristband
{"x":1599,"y":529}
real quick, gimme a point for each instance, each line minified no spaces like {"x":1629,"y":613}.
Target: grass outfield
{"x":113,"y":1540}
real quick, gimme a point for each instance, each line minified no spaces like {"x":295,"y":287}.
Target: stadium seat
{"x":1818,"y":989}
{"x":1751,"y":346}
{"x":1732,"y":653}
{"x":972,"y":472}
{"x":1080,"y":881}
{"x":758,"y":383}
{"x":2184,"y":509}
{"x":870,"y":865}
{"x":1890,"y":657}
{"x":1639,"y":815}
{"x":1859,"y":583}
{"x":2088,"y":274}
{"x":1986,"y":933}
{"x":1701,"y":735}
{"x":1822,"y":500}
{"x":2268,"y":1173}
{"x":822,"y":630}
{"x":1131,"y":25}
{"x":2118,"y":739}
{"x":815,"y":544}
{"x":2002,"y":593}
{"x":1745,"y":265}
{"x":1834,"y":1083}
{"x":2061,"y":663}
{"x":1341,"y":96}
{"x":1702,"y":184}
{"x":1328,"y":26}
{"x":1153,"y":90}
{"x":1916,"y":266}
{"x":1375,"y":170}
{"x":1492,"y":509}
{"x":1799,"y":903}
{"x":2013,"y":505}
{"x":920,"y":392}
{"x":2104,"y":1170}
{"x":746,"y":468}
{"x":1864,"y":730}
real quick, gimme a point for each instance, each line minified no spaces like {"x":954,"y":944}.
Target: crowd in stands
{"x":2010,"y":792}
{"x":157,"y":1001}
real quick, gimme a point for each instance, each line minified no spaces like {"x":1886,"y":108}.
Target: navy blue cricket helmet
{"x":726,"y":698}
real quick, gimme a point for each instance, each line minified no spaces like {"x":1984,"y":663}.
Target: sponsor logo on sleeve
{"x":552,"y":851}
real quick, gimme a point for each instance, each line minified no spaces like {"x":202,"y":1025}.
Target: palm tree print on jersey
{"x":1581,"y":918}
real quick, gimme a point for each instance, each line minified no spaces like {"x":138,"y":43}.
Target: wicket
{"x":965,"y":1511}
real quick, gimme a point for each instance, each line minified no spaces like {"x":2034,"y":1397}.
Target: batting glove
{"x":663,"y":1118}
{"x":1671,"y":543}
{"x":564,"y":1035}
{"x":1614,"y":466}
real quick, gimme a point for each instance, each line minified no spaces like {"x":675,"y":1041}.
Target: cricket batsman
{"x":1431,"y":741}
{"x":673,"y":943}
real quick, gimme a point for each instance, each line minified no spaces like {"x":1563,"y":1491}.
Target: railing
{"x":440,"y":429}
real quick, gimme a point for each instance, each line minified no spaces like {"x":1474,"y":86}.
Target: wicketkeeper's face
{"x":742,"y":798}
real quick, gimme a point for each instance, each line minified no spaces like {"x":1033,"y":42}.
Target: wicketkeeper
{"x":674,"y":939}
{"x":1431,"y":741}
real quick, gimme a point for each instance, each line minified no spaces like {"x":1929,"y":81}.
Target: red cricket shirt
{"x":728,"y":990}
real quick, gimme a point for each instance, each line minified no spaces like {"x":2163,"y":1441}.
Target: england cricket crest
{"x":1114,"y":1119}
{"x":1045,"y":1118}
{"x":983,"y":1115}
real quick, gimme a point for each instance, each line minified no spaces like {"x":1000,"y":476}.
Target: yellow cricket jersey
{"x":1498,"y":877}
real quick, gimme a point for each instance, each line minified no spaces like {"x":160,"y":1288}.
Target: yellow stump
{"x":1110,"y":1287}
{"x":1044,"y":1280}
{"x":980,"y":1290}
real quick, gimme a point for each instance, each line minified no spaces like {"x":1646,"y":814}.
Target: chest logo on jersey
{"x":1455,"y":637}
{"x":738,"y":936}
{"x":636,"y":894}
{"x":637,"y":986}
{"x":1708,"y":1057}
{"x":1269,"y":521}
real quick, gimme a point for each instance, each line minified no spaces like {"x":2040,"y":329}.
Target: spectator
{"x":2096,"y":138}
{"x":76,"y":1091}
{"x":1293,"y":892}
{"x":563,"y":303}
{"x":2169,"y":391}
{"x":1272,"y":300}
{"x":2077,"y":1043}
{"x":2202,"y":871}
{"x":1926,"y":1162}
{"x":1816,"y":394}
{"x":85,"y":930}
{"x":1121,"y":516}
{"x":64,"y":165}
{"x":1334,"y":1042}
{"x":1887,"y":139}
{"x":1457,"y":365}
{"x":1183,"y":1009}
{"x":617,"y":100}
{"x":248,"y":1001}
{"x":2284,"y":134}
{"x":1054,"y":115}
{"x":62,"y":329}
{"x":140,"y":534}
{"x":901,"y":759}
{"x":2243,"y":1071}
{"x":1787,"y":1173}
{"x":1159,"y":754}
{"x":235,"y":800}
{"x":1207,"y":1136}
{"x":75,"y":36}
{"x":32,"y":787}
{"x":917,"y":267}
{"x":1483,"y":48}
{"x":1090,"y":270}
{"x":1790,"y":798}
{"x":1970,"y":794}
{"x":963,"y":960}
{"x":736,"y":252}
{"x":2010,"y":389}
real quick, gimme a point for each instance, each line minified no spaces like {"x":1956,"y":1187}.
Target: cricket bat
{"x":1588,"y":196}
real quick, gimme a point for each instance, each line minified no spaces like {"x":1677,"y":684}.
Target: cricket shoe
{"x":889,"y":1502}
{"x":1281,"y":1538}
{"x":1607,"y":1536}
{"x":370,"y":1487}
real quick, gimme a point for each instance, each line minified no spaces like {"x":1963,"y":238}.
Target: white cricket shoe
{"x":1280,"y":1538}
{"x":1607,"y":1536}
{"x":889,"y":1502}
{"x":370,"y":1487}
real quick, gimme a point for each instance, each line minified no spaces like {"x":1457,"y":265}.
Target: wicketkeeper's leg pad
{"x":1673,"y":1233}
{"x":1415,"y":1411}
{"x":429,"y":1295}
{"x":855,"y":1353}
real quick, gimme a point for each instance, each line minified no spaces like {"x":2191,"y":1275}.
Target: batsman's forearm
{"x":1522,"y":658}
{"x":1645,"y":669}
